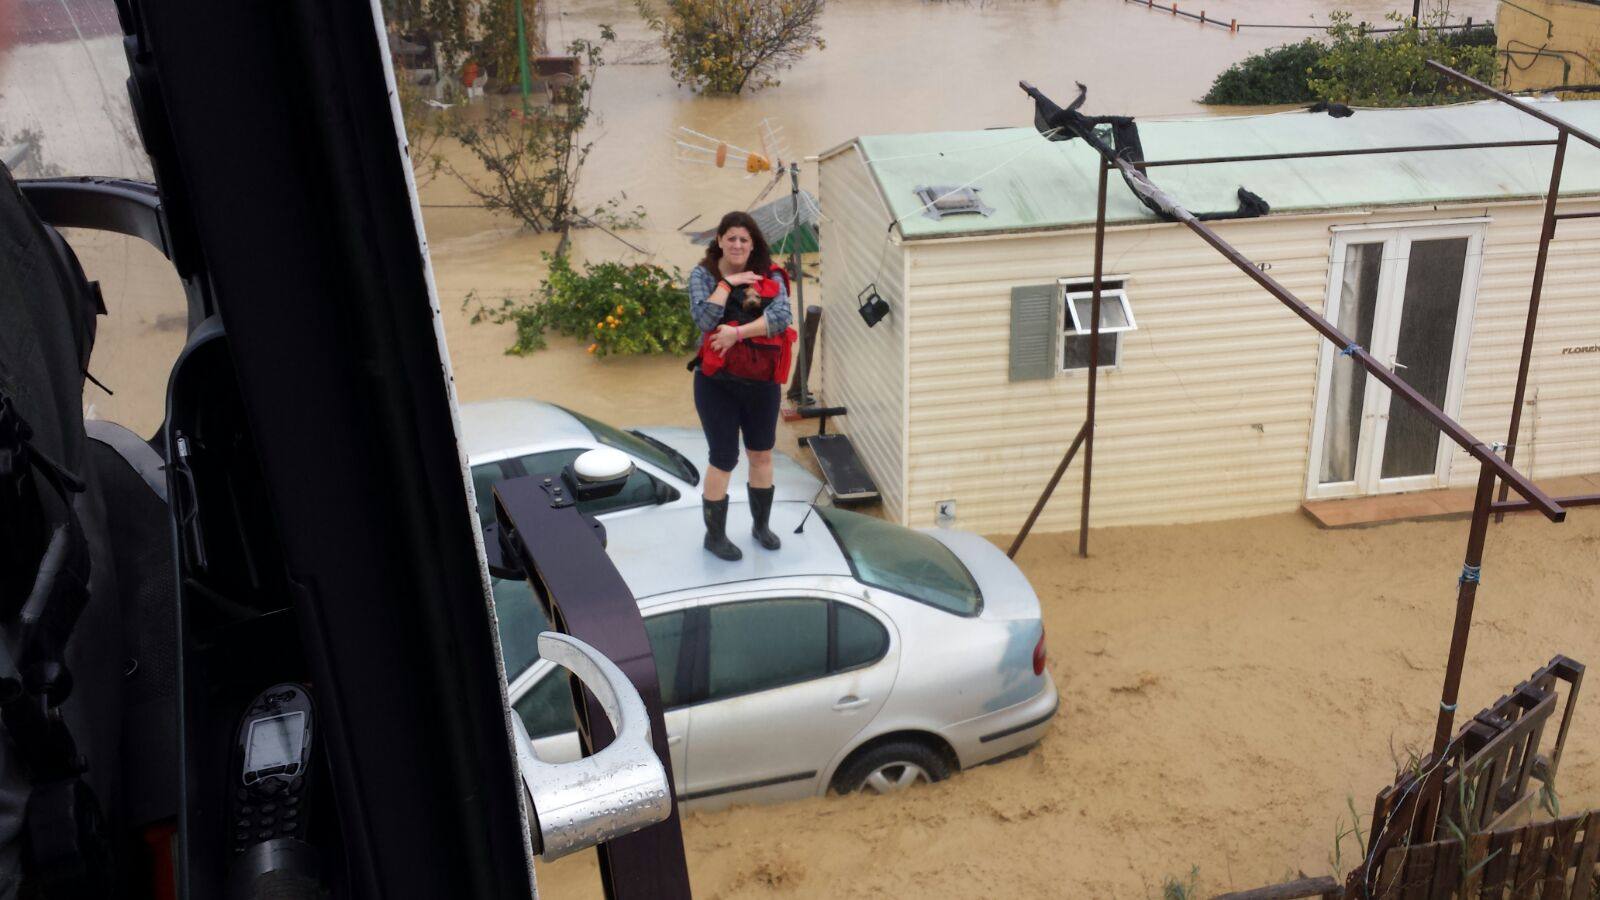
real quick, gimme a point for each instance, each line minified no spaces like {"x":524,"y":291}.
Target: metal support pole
{"x":1465,"y":596}
{"x":1049,"y":488}
{"x":1148,"y":164}
{"x":1509,"y":100}
{"x":1425,"y":817}
{"x":798,"y":392}
{"x":1545,"y":235}
{"x":1094,"y":361}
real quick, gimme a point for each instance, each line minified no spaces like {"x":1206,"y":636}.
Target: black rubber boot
{"x":716,"y":516}
{"x":760,"y":510}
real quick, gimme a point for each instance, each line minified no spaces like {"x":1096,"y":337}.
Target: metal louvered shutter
{"x":1033,"y":331}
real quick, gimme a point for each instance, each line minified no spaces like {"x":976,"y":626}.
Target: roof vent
{"x":940,"y":201}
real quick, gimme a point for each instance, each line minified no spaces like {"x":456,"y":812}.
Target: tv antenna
{"x":708,"y":150}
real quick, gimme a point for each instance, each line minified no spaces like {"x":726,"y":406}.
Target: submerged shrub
{"x":1279,"y":75}
{"x":1363,"y":70}
{"x":1354,"y":66}
{"x":616,"y":307}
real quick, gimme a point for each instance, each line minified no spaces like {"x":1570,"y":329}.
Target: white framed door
{"x":1406,"y":293}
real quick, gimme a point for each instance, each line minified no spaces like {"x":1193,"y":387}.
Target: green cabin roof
{"x":1034,"y":184}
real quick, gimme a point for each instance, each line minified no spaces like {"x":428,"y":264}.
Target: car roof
{"x":494,"y":427}
{"x":661,"y":551}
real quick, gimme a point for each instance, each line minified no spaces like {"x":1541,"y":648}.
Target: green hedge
{"x":1361,"y":69}
{"x":1278,"y":75}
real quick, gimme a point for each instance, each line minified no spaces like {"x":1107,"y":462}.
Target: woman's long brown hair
{"x":760,"y":254}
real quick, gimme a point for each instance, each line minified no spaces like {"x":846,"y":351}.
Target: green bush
{"x":617,"y":308}
{"x":1273,"y":76}
{"x":1363,"y":70}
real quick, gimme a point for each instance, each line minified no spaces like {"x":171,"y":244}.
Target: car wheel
{"x":892,"y":768}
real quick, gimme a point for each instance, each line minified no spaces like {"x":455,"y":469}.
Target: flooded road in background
{"x":906,"y":66}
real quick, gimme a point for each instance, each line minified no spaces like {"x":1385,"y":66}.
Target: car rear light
{"x":1039,"y":654}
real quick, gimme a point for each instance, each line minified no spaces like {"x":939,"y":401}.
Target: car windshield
{"x":904,"y":561}
{"x":653,"y":452}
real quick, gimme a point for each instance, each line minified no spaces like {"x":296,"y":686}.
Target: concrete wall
{"x":1566,"y":34}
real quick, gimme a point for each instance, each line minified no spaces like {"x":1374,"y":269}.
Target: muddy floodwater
{"x":909,"y":66}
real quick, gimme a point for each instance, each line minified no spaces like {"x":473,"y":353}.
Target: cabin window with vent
{"x":1077,"y":306}
{"x":1050,"y":330}
{"x":939,"y":201}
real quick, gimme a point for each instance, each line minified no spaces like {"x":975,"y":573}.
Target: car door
{"x":788,"y":680}
{"x":543,"y":700}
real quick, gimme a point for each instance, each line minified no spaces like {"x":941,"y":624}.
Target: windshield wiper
{"x":694,"y":473}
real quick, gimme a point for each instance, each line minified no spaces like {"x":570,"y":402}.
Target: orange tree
{"x":614,"y":307}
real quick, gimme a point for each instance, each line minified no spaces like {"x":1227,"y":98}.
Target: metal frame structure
{"x":1492,"y":467}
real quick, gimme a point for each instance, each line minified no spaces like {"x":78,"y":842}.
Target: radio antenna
{"x":801,"y":527}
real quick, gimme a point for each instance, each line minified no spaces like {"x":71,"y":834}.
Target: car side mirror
{"x":615,"y":792}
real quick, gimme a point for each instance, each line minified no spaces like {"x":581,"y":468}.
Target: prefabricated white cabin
{"x":1217,"y":402}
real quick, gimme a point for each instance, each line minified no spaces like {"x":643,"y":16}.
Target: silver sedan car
{"x":862,"y":656}
{"x":507,"y":438}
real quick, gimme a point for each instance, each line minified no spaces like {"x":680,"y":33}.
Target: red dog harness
{"x":763,"y":358}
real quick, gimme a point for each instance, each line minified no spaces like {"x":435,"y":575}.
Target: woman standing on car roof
{"x":740,"y":301}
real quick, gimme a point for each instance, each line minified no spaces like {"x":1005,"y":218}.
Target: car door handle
{"x":851,"y":701}
{"x":674,"y":740}
{"x":618,"y":790}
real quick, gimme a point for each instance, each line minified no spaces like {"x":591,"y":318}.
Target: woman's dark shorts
{"x":727,"y":407}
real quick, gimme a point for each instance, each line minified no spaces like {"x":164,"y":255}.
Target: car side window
{"x":756,"y":645}
{"x":858,"y":638}
{"x":641,"y":489}
{"x":521,"y":620}
{"x":546,"y":708}
{"x":666,"y":645}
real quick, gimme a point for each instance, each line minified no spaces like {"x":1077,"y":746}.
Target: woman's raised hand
{"x":739,"y":278}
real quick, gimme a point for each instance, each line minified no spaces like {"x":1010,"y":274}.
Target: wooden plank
{"x":1477,"y":852}
{"x":1588,"y":854}
{"x":1531,"y":861}
{"x":1394,"y":862}
{"x":1487,"y":788}
{"x":1419,"y":871}
{"x":1531,"y":752}
{"x":1555,"y":870}
{"x":1502,"y":846}
{"x":1446,"y":871}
